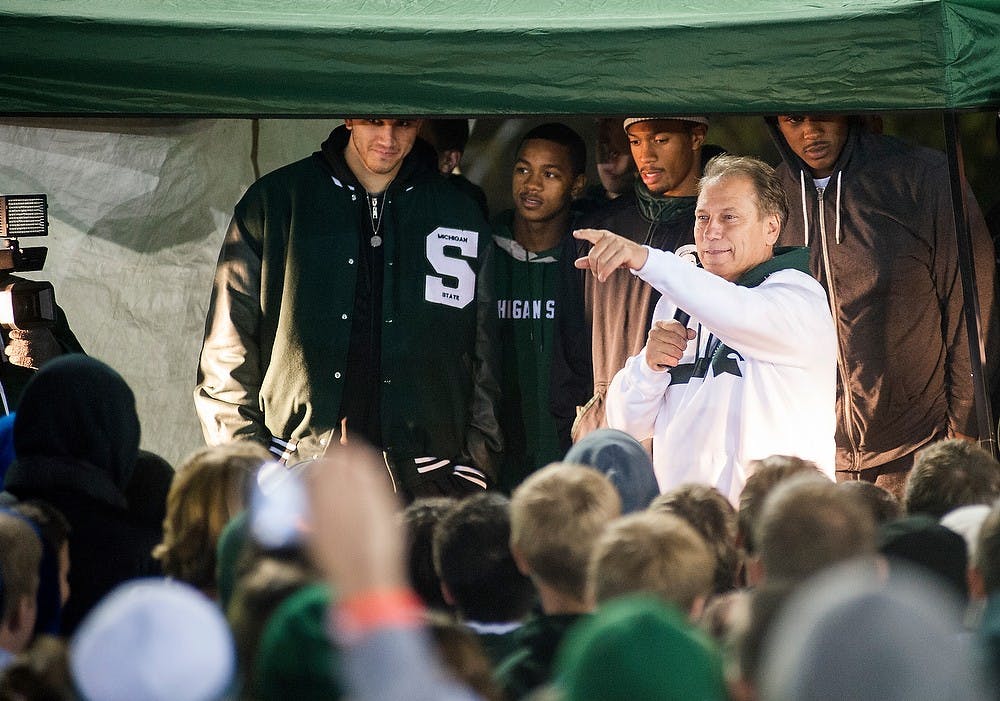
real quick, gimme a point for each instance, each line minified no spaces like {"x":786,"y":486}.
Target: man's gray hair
{"x":770,"y":198}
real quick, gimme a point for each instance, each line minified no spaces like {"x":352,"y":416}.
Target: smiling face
{"x":667,"y":153}
{"x":543,"y":183}
{"x":731,"y":234}
{"x":816,"y":139}
{"x":378,"y":145}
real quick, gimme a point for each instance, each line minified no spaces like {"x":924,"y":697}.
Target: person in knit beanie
{"x":156,"y":640}
{"x":850,"y":634}
{"x":637,"y":648}
{"x":623,"y":460}
{"x":296,"y":659}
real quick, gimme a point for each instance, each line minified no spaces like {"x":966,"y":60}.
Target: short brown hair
{"x":556,"y":515}
{"x":711,"y":514}
{"x":807,"y":525}
{"x":949,"y":474}
{"x":765,"y":475}
{"x":652,"y":552}
{"x":209,"y":488}
{"x":770,"y":194}
{"x":20,"y":558}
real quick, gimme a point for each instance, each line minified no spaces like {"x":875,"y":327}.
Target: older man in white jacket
{"x":740,"y":362}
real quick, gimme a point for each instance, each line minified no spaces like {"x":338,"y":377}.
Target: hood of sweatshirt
{"x":798,"y":170}
{"x":419,"y":163}
{"x":76,"y":429}
{"x":796,"y":165}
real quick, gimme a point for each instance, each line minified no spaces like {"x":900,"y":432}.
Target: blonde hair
{"x":208,"y":489}
{"x":652,"y":552}
{"x":556,"y":516}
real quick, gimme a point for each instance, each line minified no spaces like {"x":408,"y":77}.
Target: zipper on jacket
{"x":831,"y":287}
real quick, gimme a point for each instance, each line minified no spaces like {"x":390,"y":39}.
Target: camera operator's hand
{"x":31,"y":348}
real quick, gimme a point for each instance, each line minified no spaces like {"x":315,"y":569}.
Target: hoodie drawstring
{"x":836,"y":226}
{"x":805,"y":209}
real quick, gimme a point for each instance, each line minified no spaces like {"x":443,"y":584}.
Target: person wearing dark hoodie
{"x":76,"y":437}
{"x":354,"y":297}
{"x":658,"y":212}
{"x":534,"y":276}
{"x":877,"y":216}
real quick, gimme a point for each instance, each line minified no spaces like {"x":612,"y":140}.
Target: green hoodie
{"x":527,"y":304}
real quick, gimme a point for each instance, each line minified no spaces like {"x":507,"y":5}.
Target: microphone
{"x":688,"y":252}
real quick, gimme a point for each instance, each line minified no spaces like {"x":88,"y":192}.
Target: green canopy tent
{"x":485,"y":57}
{"x":510,"y":57}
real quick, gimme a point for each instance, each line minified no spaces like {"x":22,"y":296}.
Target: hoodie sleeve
{"x":484,"y":440}
{"x":948,"y":283}
{"x":635,"y":397}
{"x":783,"y":320}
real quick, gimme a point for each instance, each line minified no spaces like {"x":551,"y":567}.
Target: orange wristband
{"x":369,"y":611}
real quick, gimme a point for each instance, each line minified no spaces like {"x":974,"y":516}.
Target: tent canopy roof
{"x":495,"y":57}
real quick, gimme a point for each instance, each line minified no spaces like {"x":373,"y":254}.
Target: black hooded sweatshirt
{"x":76,"y":437}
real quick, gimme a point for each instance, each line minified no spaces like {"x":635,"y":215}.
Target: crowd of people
{"x":704,"y":432}
{"x":267,"y":582}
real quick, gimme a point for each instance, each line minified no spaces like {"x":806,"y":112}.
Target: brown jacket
{"x":883,"y":245}
{"x":619,"y":310}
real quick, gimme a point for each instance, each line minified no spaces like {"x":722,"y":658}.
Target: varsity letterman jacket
{"x":275,"y":354}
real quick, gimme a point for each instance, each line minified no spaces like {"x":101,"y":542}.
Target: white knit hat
{"x":966,"y":521}
{"x":156,"y":640}
{"x":629,"y":121}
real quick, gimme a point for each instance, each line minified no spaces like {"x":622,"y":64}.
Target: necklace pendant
{"x":376,"y":241}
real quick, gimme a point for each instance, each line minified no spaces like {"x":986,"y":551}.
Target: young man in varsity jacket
{"x":354,"y":298}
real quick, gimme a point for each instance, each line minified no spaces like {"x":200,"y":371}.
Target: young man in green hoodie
{"x":534,"y":292}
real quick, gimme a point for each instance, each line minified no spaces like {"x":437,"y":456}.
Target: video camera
{"x":24,"y":304}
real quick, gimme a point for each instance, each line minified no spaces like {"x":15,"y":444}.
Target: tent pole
{"x":974,"y":322}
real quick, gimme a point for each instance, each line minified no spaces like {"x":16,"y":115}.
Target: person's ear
{"x":349,"y":123}
{"x":697,"y":608}
{"x":698,"y":134}
{"x":756,"y":574}
{"x":448,"y":160}
{"x":522,"y":564}
{"x":446,"y":594}
{"x":23,"y":617}
{"x":579,"y":183}
{"x":773,"y":229}
{"x":977,"y":585}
